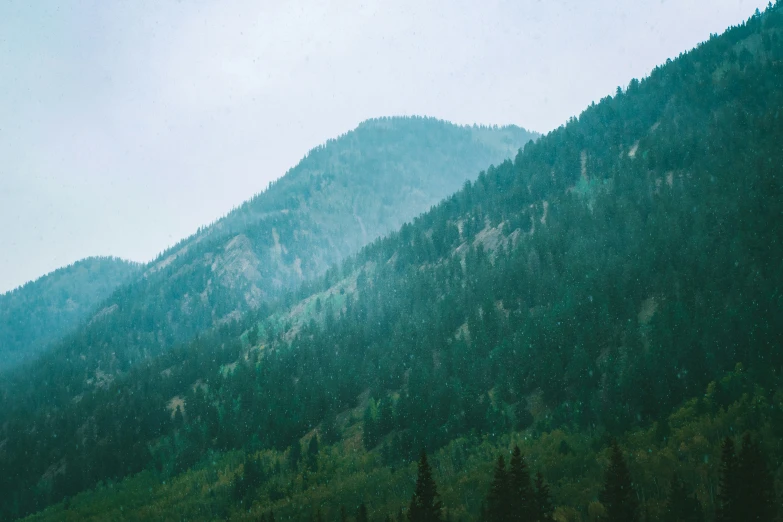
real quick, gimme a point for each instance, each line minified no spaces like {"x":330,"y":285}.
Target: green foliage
{"x":618,"y":495}
{"x":425,"y":505}
{"x":600,"y":309}
{"x":498,"y":508}
{"x":681,"y":505}
{"x":524,"y":505}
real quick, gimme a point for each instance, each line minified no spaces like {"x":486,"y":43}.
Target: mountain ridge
{"x":587,"y":290}
{"x":41,"y":311}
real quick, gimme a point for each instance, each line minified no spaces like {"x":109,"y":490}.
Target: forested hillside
{"x":42,"y":311}
{"x":620,"y":279}
{"x":341,"y":196}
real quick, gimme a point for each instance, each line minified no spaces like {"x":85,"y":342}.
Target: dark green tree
{"x":544,"y":510}
{"x":498,"y":498}
{"x":521,"y":494}
{"x":681,"y":506}
{"x":361,"y":513}
{"x":329,"y":431}
{"x":425,"y":504}
{"x":618,"y":495}
{"x":756,"y":491}
{"x":727,"y":505}
{"x":252,"y":477}
{"x":294,"y":455}
{"x":312,"y":453}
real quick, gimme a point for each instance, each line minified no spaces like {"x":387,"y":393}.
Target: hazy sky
{"x":126,"y":125}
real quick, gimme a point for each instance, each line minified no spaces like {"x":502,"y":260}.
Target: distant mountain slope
{"x":619,"y":266}
{"x":42,"y":311}
{"x":341,"y":196}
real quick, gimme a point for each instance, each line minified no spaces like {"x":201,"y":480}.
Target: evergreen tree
{"x":312,"y":453}
{"x":498,"y":499}
{"x":521,"y":495}
{"x":756,"y":491}
{"x":271,"y":517}
{"x":343,"y":516}
{"x":370,"y":432}
{"x":728,"y":485}
{"x":425,"y":504}
{"x":251,"y":478}
{"x":294,"y":455}
{"x":680,"y":506}
{"x":329,"y":431}
{"x":618,"y":496}
{"x":361,"y":513}
{"x":544,"y":510}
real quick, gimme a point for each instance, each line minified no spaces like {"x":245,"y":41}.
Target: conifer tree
{"x":343,"y":516}
{"x":618,"y":496}
{"x":312,"y":453}
{"x":680,"y":506}
{"x":728,"y":486}
{"x":521,"y":494}
{"x":498,"y":497}
{"x":544,"y":510}
{"x":425,"y":504}
{"x":361,"y":513}
{"x":755,"y":492}
{"x":294,"y":455}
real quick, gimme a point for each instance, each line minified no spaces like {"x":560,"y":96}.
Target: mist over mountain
{"x":42,"y":311}
{"x":341,"y":196}
{"x":609,"y":301}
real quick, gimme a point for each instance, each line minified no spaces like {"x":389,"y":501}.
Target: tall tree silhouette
{"x":361,"y":513}
{"x":543,"y":510}
{"x":498,"y":501}
{"x":425,"y":504}
{"x":727,"y":509}
{"x":755,"y":491}
{"x":618,"y":496}
{"x":312,"y":453}
{"x":521,"y":495}
{"x":681,"y":506}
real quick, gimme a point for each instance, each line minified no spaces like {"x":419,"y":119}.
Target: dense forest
{"x":43,"y":311}
{"x":340,"y":197}
{"x":609,"y":302}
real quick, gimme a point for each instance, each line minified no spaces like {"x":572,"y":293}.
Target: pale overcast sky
{"x":126,"y":125}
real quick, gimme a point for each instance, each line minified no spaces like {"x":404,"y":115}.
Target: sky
{"x":124,"y":126}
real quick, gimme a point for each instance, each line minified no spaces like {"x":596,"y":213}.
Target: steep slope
{"x":617,"y":268}
{"x":42,"y":311}
{"x":341,"y":196}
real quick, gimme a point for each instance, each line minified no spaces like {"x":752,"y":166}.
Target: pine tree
{"x":498,"y":497}
{"x":425,"y":505}
{"x":521,"y":495}
{"x":343,"y":516}
{"x":728,"y":486}
{"x":361,"y":513}
{"x":294,"y":455}
{"x":682,"y":507}
{"x":756,"y":492}
{"x":312,"y":453}
{"x":544,"y":510}
{"x":618,"y":496}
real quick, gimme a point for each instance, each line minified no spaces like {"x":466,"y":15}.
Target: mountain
{"x":619,"y":279}
{"x":341,"y":196}
{"x":42,"y":311}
